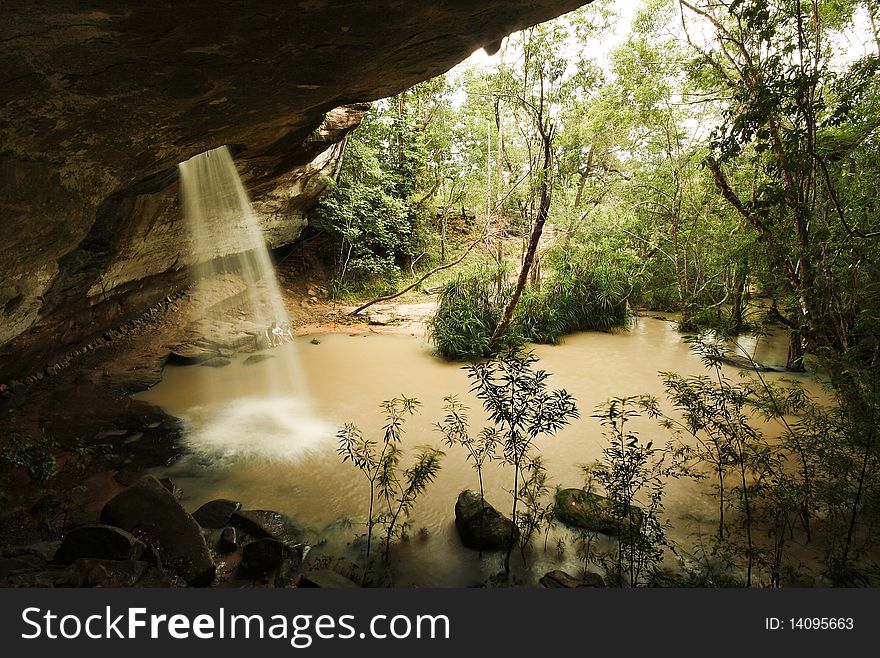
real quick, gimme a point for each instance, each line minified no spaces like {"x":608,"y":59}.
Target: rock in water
{"x":216,"y":362}
{"x":189,"y":355}
{"x":265,"y":555}
{"x":493,"y":534}
{"x":325,"y":579}
{"x":256,"y":358}
{"x":590,"y":511}
{"x":216,"y":513}
{"x":89,"y":572}
{"x":149,"y":511}
{"x":99,"y":541}
{"x":261,"y":524}
{"x":560,"y":579}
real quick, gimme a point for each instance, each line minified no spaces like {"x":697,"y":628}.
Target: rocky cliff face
{"x":100,"y":100}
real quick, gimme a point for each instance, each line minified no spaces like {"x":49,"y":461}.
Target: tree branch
{"x":385,"y":298}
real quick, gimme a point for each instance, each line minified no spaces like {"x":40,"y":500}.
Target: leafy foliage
{"x":379,"y":463}
{"x":514,"y":395}
{"x":633,"y":475}
{"x":35,"y":457}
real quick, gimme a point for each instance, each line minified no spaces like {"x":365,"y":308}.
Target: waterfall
{"x":275,"y":417}
{"x":223,"y":224}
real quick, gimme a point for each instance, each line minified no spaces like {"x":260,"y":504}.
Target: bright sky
{"x":626,"y":10}
{"x":855,"y":44}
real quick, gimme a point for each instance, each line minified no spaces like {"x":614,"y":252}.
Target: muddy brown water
{"x":252,"y":438}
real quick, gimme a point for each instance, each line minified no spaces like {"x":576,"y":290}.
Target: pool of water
{"x":252,"y":436}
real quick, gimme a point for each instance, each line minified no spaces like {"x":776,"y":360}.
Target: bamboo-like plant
{"x":454,"y":428}
{"x":377,"y":461}
{"x":519,"y":406}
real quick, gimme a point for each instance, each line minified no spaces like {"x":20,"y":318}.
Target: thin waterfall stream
{"x":268,"y":415}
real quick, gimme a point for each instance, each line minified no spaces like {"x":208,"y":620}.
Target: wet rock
{"x":89,"y":572}
{"x":216,"y":362}
{"x":99,"y":541}
{"x":481,"y":526}
{"x":11,"y":567}
{"x":150,"y":512}
{"x":216,"y":513}
{"x":109,"y":434}
{"x":325,"y":579}
{"x":189,"y":355}
{"x":589,"y":511}
{"x":228,"y":540}
{"x":256,"y":358}
{"x":290,"y":570}
{"x":172,"y":488}
{"x":265,"y":555}
{"x":43,"y":550}
{"x":266,"y":523}
{"x":127,"y":478}
{"x":315,"y":341}
{"x":379,"y":319}
{"x":560,"y":579}
{"x":743,"y":363}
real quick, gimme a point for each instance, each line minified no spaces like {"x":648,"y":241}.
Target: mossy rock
{"x":480,"y":525}
{"x":585,"y":510}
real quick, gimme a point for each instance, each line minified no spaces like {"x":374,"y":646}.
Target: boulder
{"x":481,"y":526}
{"x":88,"y":572}
{"x":150,"y":512}
{"x":14,"y":566}
{"x":42,"y":550}
{"x":589,"y":511}
{"x":262,"y":524}
{"x":325,"y":579}
{"x":256,"y":358}
{"x":216,"y":362}
{"x":99,"y":541}
{"x":216,"y":513}
{"x":189,"y":355}
{"x":265,"y":555}
{"x":173,"y":489}
{"x":559,"y":579}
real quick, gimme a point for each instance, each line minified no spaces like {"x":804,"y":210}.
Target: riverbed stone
{"x":216,"y":362}
{"x":91,"y":572}
{"x":267,"y":554}
{"x":262,"y":524}
{"x":189,"y":355}
{"x":257,"y":358}
{"x":42,"y":550}
{"x":492,"y":533}
{"x":560,"y":579}
{"x":325,"y":579}
{"x":587,"y":510}
{"x":99,"y":541}
{"x":216,"y":513}
{"x":150,"y":512}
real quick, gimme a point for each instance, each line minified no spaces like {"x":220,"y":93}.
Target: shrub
{"x":470,"y":307}
{"x":582,"y":294}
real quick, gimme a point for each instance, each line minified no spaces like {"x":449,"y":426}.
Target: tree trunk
{"x":739,"y":287}
{"x":537,"y":230}
{"x":795,"y":361}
